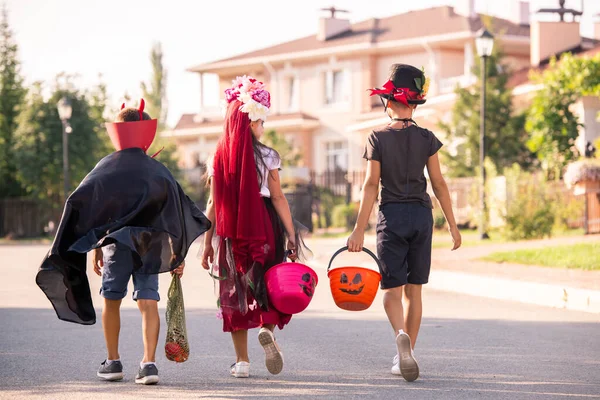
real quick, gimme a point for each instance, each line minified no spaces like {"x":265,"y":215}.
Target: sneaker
{"x":396,"y":366}
{"x":147,"y":375}
{"x":240,"y":369}
{"x":273,"y":355}
{"x":112,"y":371}
{"x":408,"y":365}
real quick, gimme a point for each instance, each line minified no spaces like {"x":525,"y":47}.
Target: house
{"x":319,"y":83}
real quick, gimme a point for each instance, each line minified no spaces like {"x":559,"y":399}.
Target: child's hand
{"x":292,"y":253}
{"x":179,"y":270}
{"x":456,"y":237}
{"x":355,"y":241}
{"x":208,"y":256}
{"x":98,"y":261}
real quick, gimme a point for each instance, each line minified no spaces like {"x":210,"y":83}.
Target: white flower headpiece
{"x":252,"y":93}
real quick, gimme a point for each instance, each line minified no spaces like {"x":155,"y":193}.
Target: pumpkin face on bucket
{"x":352,"y":286}
{"x":308,"y":284}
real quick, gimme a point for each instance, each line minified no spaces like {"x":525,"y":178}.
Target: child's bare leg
{"x":111,"y":324}
{"x":240,"y":344}
{"x":392,"y":302}
{"x":150,"y":327}
{"x":414,"y":311}
{"x":270,"y":327}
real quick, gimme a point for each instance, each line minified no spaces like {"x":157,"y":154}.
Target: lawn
{"x":580,"y":256}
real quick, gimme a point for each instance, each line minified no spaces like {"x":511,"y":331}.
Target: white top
{"x":271,"y":160}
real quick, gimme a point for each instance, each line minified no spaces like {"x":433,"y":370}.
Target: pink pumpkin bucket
{"x":290,"y":286}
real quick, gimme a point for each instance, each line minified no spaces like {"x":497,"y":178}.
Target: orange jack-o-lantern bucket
{"x":353,"y":288}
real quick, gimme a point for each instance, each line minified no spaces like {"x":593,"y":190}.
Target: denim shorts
{"x":118,"y":268}
{"x":404,"y":233}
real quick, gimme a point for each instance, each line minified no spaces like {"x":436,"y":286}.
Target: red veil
{"x":241,"y":214}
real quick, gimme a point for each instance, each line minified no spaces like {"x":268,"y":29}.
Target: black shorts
{"x":404,"y":232}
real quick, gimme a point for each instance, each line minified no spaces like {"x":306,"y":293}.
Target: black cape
{"x":128,"y":198}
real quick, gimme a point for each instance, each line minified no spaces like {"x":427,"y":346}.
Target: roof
{"x":191,"y":121}
{"x":411,"y":25}
{"x":521,"y":76}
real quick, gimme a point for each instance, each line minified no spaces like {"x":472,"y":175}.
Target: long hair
{"x":241,"y":213}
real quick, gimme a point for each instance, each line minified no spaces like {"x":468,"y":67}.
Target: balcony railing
{"x":447,"y":85}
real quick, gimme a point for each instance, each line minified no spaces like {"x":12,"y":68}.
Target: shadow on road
{"x":41,"y":357}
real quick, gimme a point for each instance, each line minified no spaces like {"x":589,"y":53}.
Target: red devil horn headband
{"x":140,"y":109}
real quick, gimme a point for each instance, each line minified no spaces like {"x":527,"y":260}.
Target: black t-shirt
{"x":403,"y":154}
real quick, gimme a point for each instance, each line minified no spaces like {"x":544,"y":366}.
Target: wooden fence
{"x":23,"y":218}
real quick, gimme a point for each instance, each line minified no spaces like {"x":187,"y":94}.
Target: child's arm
{"x":367,"y":200}
{"x":209,"y":252}
{"x":282,"y":208}
{"x":98,"y":261}
{"x":438,"y":183}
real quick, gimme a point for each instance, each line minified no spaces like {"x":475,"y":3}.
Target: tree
{"x":12,"y":96}
{"x":155,"y":95}
{"x":552,"y":124}
{"x":38,"y":144}
{"x":290,"y":156}
{"x":504,"y":136}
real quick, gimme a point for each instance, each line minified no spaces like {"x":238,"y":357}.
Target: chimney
{"x":549,"y":38}
{"x":466,"y":8}
{"x":523,"y":14}
{"x":597,"y":27}
{"x":332,"y":26}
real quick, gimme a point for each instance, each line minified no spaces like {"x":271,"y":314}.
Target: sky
{"x":113,"y":38}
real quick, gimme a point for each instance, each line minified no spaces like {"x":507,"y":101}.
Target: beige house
{"x":319,"y":83}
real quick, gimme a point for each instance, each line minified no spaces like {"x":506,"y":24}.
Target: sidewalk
{"x":462,"y":272}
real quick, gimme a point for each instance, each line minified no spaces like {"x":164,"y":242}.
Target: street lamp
{"x":485,"y":44}
{"x":64,"y":112}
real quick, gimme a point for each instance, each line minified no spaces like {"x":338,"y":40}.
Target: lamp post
{"x":485,"y":44}
{"x":64,"y":112}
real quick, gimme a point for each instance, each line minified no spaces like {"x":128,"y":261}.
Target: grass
{"x":578,"y":256}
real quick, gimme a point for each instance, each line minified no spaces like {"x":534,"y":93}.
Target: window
{"x":337,"y":156}
{"x":335,"y":86}
{"x":292,"y":88}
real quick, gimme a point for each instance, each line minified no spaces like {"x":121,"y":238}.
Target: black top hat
{"x":406,"y":76}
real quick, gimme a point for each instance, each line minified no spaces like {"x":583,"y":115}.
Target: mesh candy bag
{"x":176,"y":346}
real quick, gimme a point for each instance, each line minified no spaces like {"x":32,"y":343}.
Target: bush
{"x":439,"y":221}
{"x":530,"y":214}
{"x":345,"y":215}
{"x":325,"y":201}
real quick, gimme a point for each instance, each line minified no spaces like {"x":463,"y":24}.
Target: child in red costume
{"x":252,"y":219}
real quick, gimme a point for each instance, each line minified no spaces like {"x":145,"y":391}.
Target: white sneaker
{"x":273,"y":355}
{"x":240,"y":369}
{"x":396,"y":366}
{"x":408,"y":364}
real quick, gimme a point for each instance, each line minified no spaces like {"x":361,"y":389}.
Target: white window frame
{"x":343,"y":151}
{"x":326,"y":72}
{"x":293,"y":94}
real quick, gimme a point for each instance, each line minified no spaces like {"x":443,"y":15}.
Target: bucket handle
{"x":369,"y":252}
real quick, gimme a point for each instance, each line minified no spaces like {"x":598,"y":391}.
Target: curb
{"x":541,"y":294}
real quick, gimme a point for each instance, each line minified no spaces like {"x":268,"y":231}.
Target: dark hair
{"x":130,"y":114}
{"x":260,"y":152}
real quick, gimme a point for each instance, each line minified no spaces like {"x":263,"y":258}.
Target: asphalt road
{"x":469,"y":348}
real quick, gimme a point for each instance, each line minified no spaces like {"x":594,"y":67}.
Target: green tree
{"x":38,"y":146}
{"x":290,"y":156}
{"x":552,"y":124}
{"x":155,"y":95}
{"x":504,"y":136}
{"x":12,"y":96}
